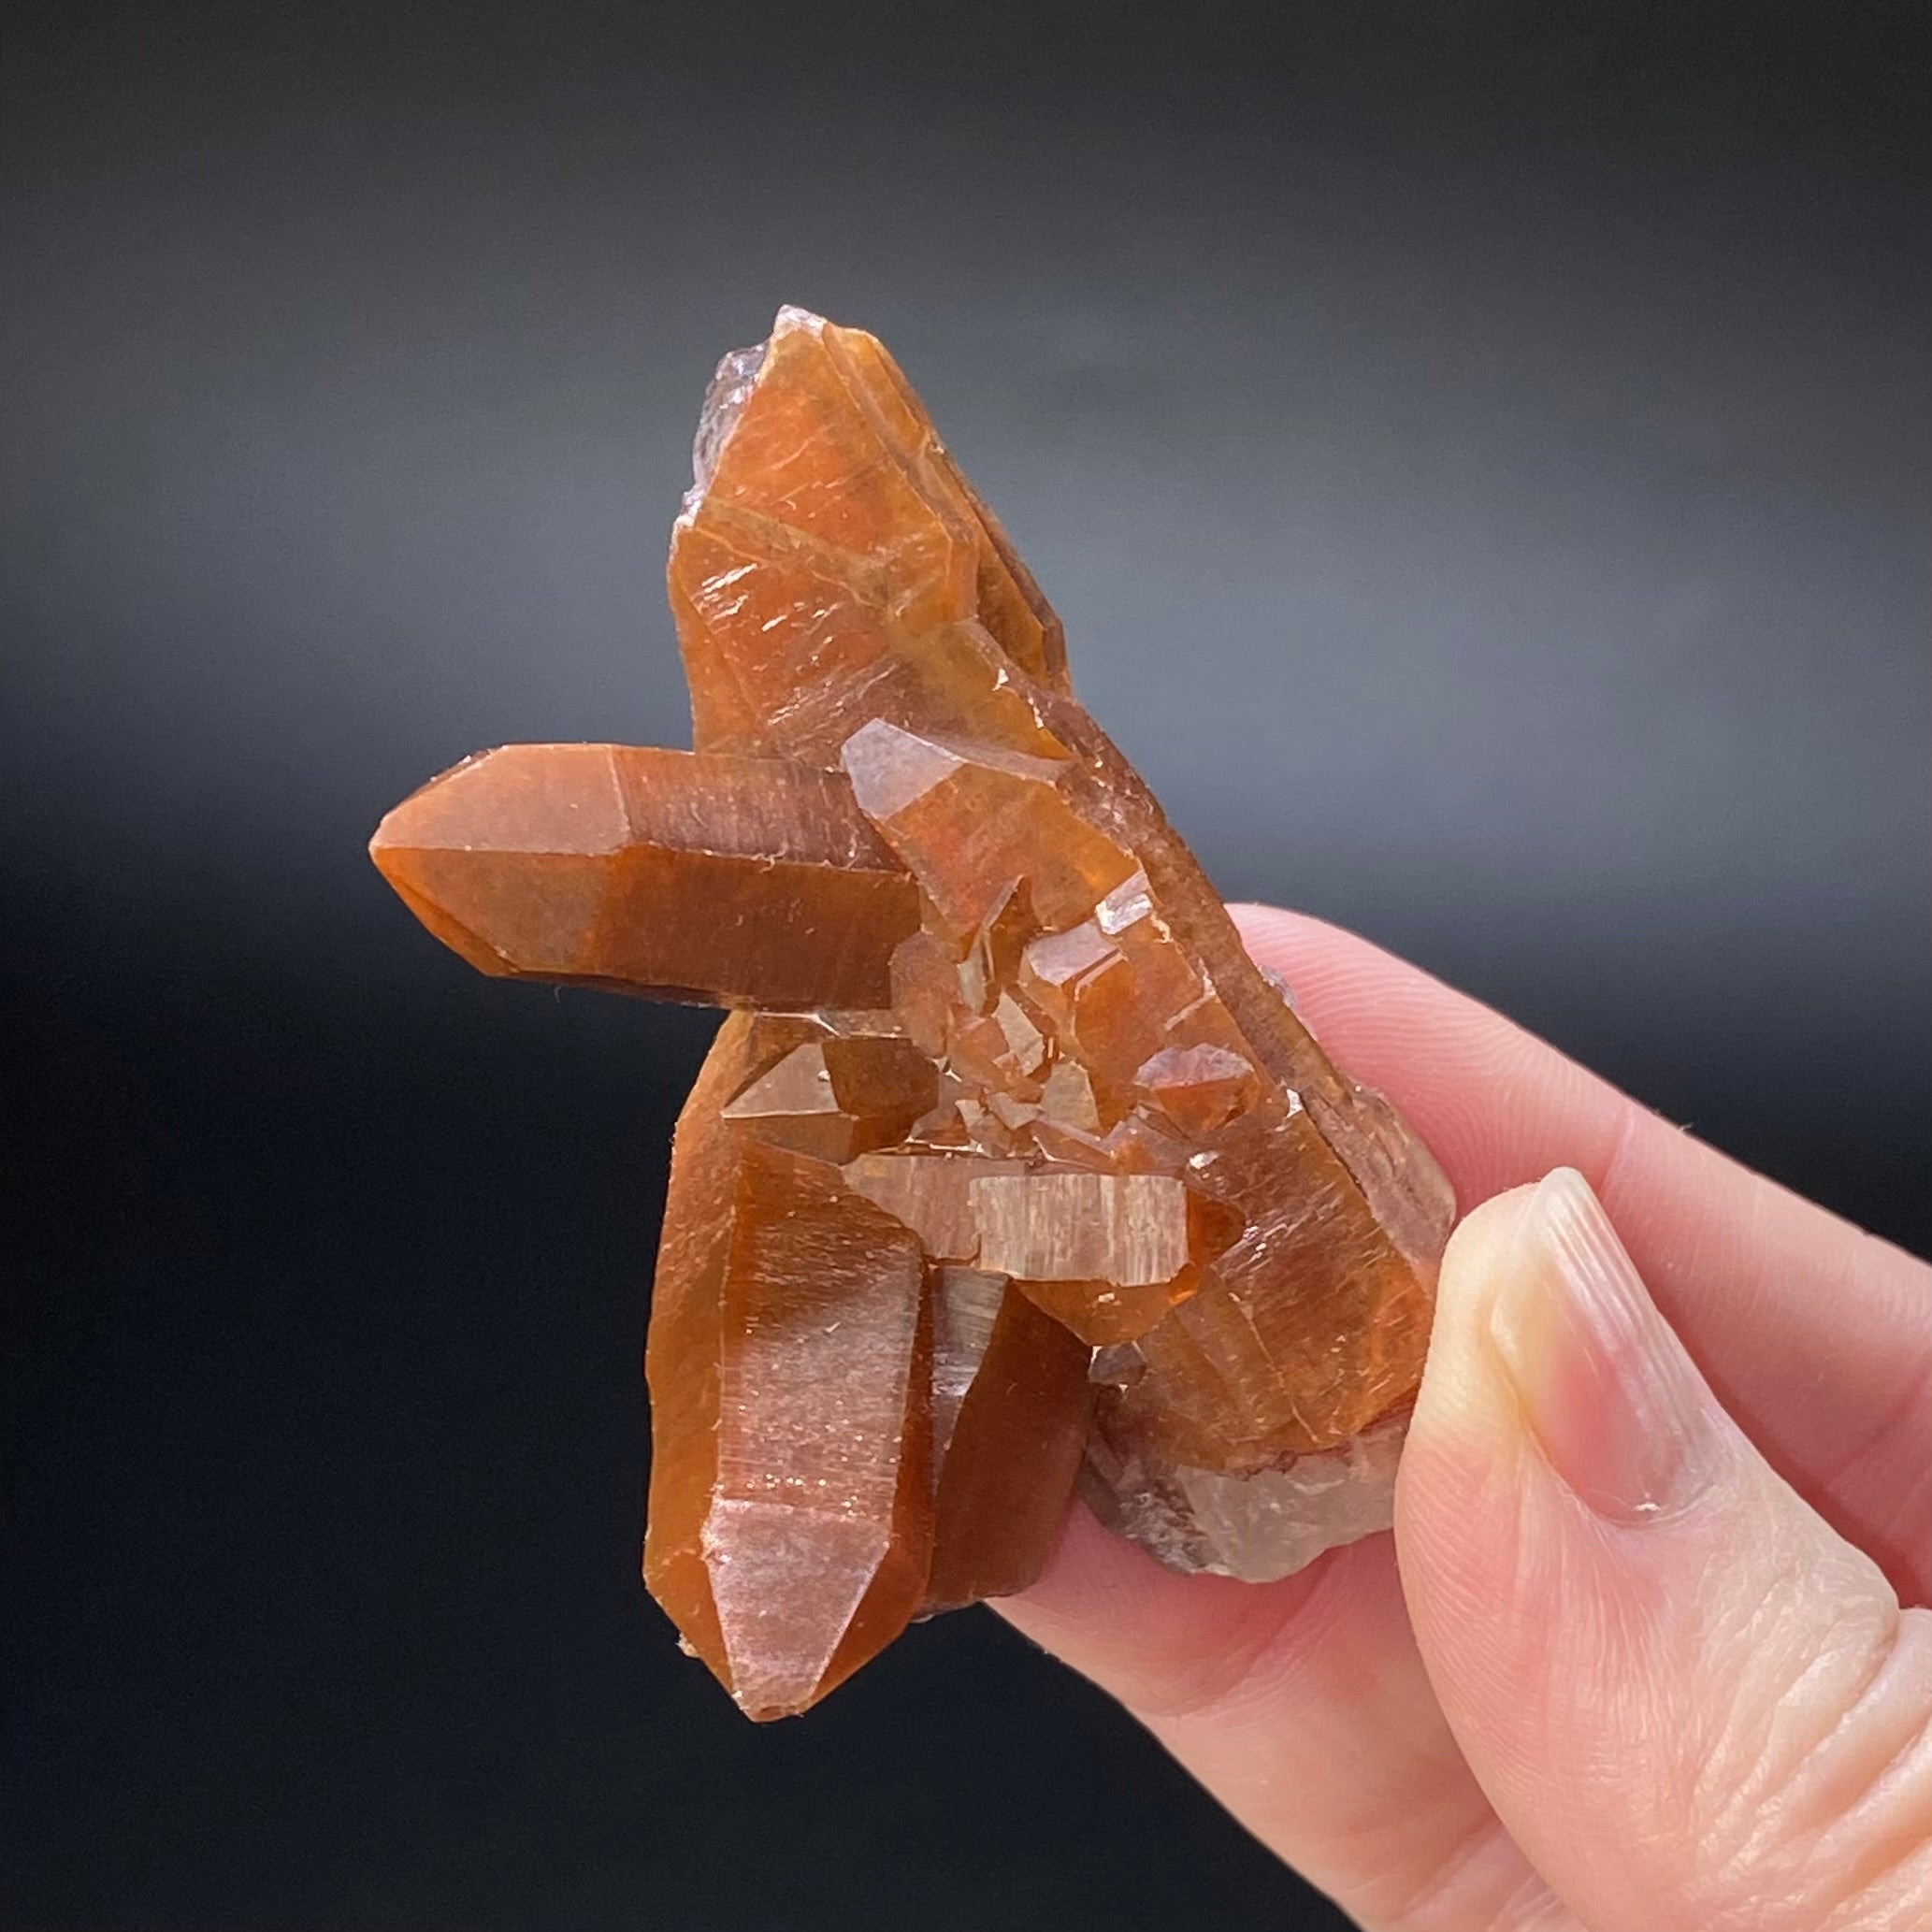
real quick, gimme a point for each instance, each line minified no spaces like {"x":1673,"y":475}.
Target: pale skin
{"x":1649,"y":1647}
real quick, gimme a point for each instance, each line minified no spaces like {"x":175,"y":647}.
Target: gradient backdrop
{"x":1482,"y":465}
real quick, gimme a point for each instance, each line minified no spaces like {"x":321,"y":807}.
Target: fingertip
{"x":1460,"y":1486}
{"x":1462,"y":1390}
{"x":1478,"y":1248}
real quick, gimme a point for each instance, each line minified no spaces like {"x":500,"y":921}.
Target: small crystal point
{"x":1016,"y":1168}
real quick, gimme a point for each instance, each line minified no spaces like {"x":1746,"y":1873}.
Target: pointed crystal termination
{"x":582,"y":863}
{"x":1019,"y":1169}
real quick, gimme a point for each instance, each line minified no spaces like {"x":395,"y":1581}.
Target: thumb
{"x":1692,"y":1703}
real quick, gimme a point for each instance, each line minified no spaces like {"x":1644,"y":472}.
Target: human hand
{"x":1636,"y":1657}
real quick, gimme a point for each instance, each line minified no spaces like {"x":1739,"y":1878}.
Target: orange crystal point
{"x":1021,"y":1168}
{"x":589,"y":863}
{"x":1011,"y":1410}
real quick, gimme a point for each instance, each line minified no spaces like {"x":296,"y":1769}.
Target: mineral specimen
{"x":1012,"y":1170}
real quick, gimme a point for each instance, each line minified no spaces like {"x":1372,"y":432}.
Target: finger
{"x":1303,"y":1707}
{"x":1692,"y":1702}
{"x":1817,"y":1337}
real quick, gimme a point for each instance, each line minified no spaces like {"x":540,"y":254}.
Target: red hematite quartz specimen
{"x":1010,"y":1169}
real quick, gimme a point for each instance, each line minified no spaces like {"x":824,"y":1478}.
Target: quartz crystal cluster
{"x":1008,"y":1170}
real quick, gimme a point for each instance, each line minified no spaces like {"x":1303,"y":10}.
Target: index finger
{"x":1816,"y":1336}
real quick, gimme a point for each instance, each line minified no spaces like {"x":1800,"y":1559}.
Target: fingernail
{"x":1619,"y":1411}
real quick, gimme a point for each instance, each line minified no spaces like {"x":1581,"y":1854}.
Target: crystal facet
{"x":1012,"y":1166}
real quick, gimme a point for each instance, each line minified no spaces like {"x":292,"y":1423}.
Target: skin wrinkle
{"x":1445,"y":1863}
{"x":1533,"y":1907}
{"x":1433,"y":1901}
{"x":1894,"y":1908}
{"x":1895,"y":1879}
{"x":1799,"y":1722}
{"x":1752,"y":1758}
{"x":1901,"y":1780}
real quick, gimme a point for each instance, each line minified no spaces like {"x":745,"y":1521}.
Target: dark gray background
{"x":1481,"y":461}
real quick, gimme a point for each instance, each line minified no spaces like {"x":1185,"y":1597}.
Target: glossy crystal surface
{"x":1012,"y":1168}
